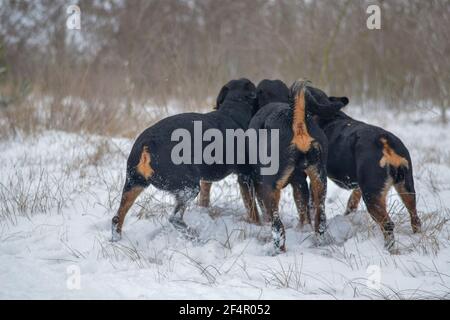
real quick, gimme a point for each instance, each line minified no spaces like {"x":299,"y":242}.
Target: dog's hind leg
{"x":300,"y":192}
{"x":266,"y":218}
{"x":377,"y":209}
{"x":353,"y":201}
{"x":407,"y":193}
{"x":129,"y":195}
{"x":248,"y":195}
{"x":375,"y":183}
{"x":205,"y":191}
{"x":375,"y":199}
{"x":270,"y":198}
{"x":318,"y":181}
{"x":137,"y":179}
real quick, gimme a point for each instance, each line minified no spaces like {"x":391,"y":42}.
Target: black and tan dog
{"x":150,"y":161}
{"x":268,"y":91}
{"x":303,"y":152}
{"x":369,"y":161}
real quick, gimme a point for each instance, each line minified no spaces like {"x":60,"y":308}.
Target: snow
{"x":59,"y":191}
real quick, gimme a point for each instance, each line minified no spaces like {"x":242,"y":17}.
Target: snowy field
{"x":59,"y":191}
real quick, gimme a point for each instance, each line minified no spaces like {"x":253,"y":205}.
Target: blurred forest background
{"x":132,"y":53}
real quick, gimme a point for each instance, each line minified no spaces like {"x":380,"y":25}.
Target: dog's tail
{"x":301,"y":138}
{"x":298,"y":93}
{"x":315,"y":101}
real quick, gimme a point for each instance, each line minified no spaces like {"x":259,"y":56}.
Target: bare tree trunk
{"x":330,"y":45}
{"x":444,"y":108}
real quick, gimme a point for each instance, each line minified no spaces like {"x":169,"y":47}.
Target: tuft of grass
{"x":385,"y":292}
{"x":116,"y":252}
{"x":29,"y":192}
{"x":287,"y":276}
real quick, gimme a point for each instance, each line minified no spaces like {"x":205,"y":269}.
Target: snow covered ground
{"x":59,"y":191}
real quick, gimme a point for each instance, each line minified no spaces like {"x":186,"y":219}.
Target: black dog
{"x":268,"y":91}
{"x":303,"y":152}
{"x":369,"y":161}
{"x":150,"y":160}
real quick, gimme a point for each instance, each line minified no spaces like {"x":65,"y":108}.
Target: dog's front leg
{"x":248,"y":195}
{"x":176,"y":219}
{"x":353,"y":201}
{"x":205,"y":191}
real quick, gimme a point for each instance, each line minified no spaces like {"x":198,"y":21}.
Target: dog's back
{"x":353,"y":142}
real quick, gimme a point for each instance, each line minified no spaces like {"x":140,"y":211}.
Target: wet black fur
{"x":236,"y":104}
{"x":354,"y":153}
{"x":276,"y":107}
{"x":276,"y":112}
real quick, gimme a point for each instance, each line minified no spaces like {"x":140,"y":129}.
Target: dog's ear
{"x":343,"y":100}
{"x":221,"y":97}
{"x":323,"y":106}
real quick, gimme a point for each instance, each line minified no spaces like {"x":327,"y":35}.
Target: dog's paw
{"x":182,"y":228}
{"x":322,"y":239}
{"x":273,"y":251}
{"x":394,"y":250}
{"x":115,"y":231}
{"x":177,"y":223}
{"x":304,"y":227}
{"x":215,"y":212}
{"x":252,"y":220}
{"x":115,"y":236}
{"x":190,"y":235}
{"x":391,"y":246}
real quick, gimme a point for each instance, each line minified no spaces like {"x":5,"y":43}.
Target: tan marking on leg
{"x":318,"y":195}
{"x":205,"y":191}
{"x":266,"y":217}
{"x":378,"y":211}
{"x":353,"y":201}
{"x":302,"y":205}
{"x":249,"y":202}
{"x":409,"y":200}
{"x":384,"y":192}
{"x":390,"y":157}
{"x":301,"y":139}
{"x":271,"y":199}
{"x":143,"y":166}
{"x":283,"y":181}
{"x":126,"y":202}
{"x":276,"y":198}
